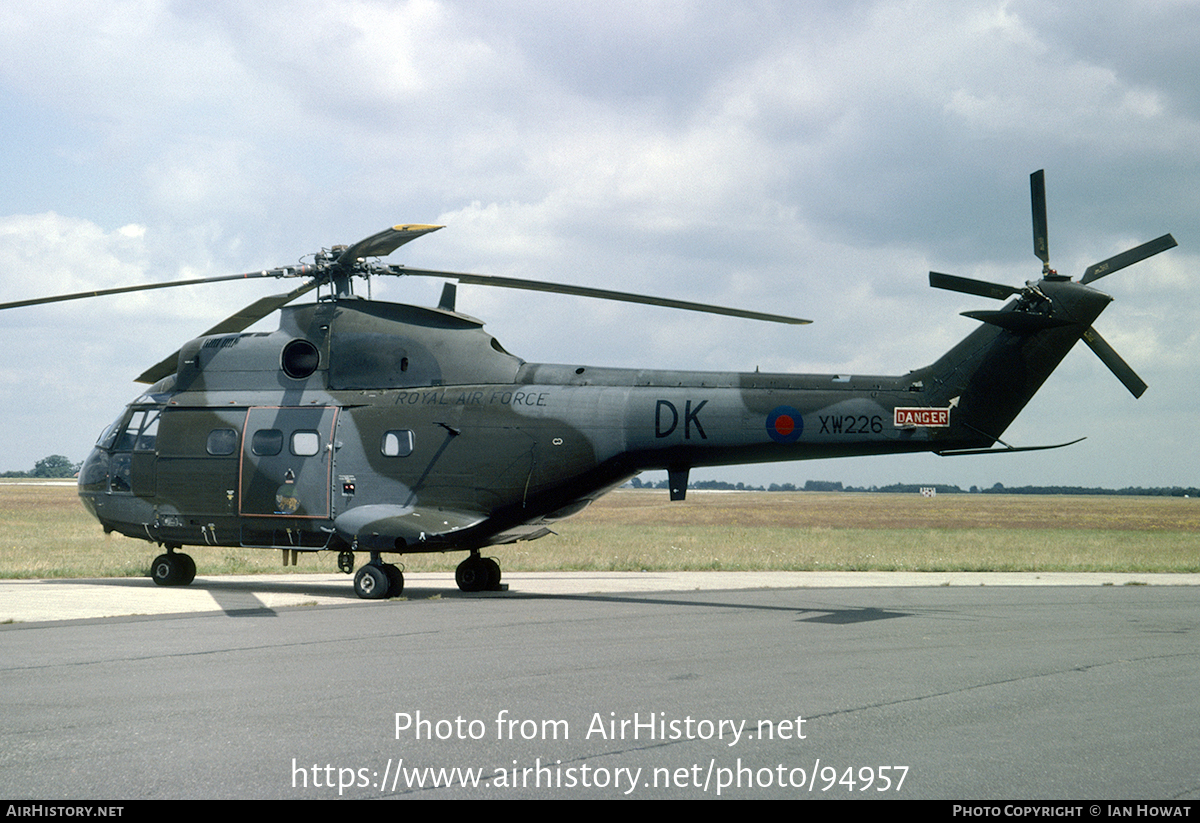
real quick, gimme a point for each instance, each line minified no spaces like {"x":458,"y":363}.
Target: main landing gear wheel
{"x":379,"y":582}
{"x":478,"y":574}
{"x":395,"y":579}
{"x":493,"y":574}
{"x":172,"y":569}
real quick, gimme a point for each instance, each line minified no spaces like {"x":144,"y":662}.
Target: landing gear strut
{"x":478,"y":574}
{"x":378,"y":580}
{"x":173,"y":569}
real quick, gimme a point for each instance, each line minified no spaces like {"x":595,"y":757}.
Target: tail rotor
{"x":1035,"y":310}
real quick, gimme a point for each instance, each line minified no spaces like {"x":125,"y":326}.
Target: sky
{"x":815,"y":159}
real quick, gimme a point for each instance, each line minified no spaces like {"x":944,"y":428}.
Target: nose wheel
{"x":173,"y":569}
{"x":478,"y":574}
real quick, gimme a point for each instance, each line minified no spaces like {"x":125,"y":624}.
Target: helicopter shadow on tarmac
{"x":803,"y":614}
{"x":244,"y":598}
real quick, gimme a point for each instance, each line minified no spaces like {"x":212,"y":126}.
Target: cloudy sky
{"x":808,"y":158}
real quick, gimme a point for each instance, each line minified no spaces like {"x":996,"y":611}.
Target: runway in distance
{"x":368,"y":426}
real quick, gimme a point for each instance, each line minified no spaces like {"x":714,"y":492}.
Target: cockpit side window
{"x":148,"y":433}
{"x":137,"y":432}
{"x":108,"y":436}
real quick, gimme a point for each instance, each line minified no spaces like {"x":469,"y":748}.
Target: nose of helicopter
{"x":93,"y":479}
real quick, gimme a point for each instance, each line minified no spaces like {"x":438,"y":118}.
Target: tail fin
{"x":995,"y":371}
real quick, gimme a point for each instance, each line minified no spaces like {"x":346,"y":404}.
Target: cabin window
{"x":222,"y":442}
{"x":267,"y":442}
{"x":305,"y":443}
{"x":398,"y":443}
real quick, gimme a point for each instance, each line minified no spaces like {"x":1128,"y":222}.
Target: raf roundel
{"x":784,"y":424}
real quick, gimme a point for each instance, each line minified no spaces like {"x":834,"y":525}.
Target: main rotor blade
{"x":1115,"y":364}
{"x":966,"y":285}
{"x":1128,"y":258}
{"x":601,"y":294}
{"x":241,"y":320}
{"x":236,"y":322}
{"x":385,"y":242}
{"x":37,"y":301}
{"x":1037,"y":195}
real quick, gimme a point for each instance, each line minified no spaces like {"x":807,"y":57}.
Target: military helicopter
{"x":367,"y":426}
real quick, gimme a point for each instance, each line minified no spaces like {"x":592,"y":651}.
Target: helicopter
{"x":368,"y":426}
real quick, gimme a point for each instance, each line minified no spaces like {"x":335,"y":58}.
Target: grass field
{"x":44,"y":532}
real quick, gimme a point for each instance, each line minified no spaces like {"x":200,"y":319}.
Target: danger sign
{"x":910,"y":417}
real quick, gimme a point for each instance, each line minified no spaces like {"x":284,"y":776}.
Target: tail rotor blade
{"x":1037,"y":195}
{"x":966,"y":285}
{"x":1041,"y":309}
{"x":1128,"y":258}
{"x":1115,"y":364}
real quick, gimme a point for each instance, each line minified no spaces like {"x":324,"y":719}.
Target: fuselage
{"x":409,"y":429}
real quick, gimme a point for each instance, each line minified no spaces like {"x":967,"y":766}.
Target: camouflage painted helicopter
{"x":365,"y":426}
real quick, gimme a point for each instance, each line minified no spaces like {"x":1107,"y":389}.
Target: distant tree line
{"x":915,"y":488}
{"x":53,"y":466}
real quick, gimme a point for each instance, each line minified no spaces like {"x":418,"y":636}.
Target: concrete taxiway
{"x":956,"y":687}
{"x":26,"y":601}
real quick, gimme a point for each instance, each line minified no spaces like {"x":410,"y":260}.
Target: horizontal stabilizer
{"x":1016,"y":321}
